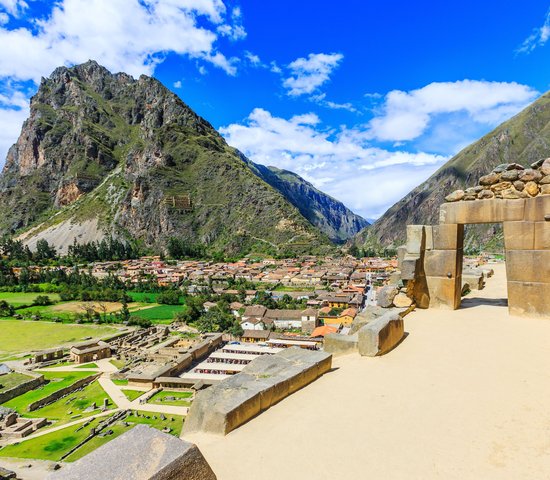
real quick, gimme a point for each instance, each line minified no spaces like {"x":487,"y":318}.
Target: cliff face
{"x":130,"y":156}
{"x":524,"y":139}
{"x":328,"y":214}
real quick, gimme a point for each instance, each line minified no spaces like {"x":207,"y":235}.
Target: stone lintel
{"x":536,"y":209}
{"x":484,"y":211}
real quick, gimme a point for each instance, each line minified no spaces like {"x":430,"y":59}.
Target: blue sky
{"x":364,"y":99}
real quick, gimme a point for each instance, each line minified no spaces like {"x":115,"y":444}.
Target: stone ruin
{"x":509,"y":181}
{"x":517,"y":197}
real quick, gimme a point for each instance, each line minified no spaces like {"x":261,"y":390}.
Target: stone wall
{"x":263,"y":382}
{"x":508,"y":181}
{"x":62,"y":393}
{"x":34,"y":382}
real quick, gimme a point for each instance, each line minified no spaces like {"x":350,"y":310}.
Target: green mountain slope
{"x":105,"y":154}
{"x":523,"y":139}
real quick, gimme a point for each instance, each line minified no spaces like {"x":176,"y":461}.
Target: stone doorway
{"x":437,"y":253}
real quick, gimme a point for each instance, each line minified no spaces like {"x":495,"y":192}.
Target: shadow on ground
{"x":478,"y":302}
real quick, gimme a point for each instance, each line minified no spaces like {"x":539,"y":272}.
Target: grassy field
{"x":53,"y":446}
{"x":76,"y":403}
{"x":87,"y":365}
{"x":20,"y":298}
{"x":121,"y":382}
{"x":23,"y":336}
{"x":118,"y":363}
{"x":181,"y":398}
{"x":132,"y":394}
{"x":12,"y":380}
{"x":58,"y":380}
{"x":160,"y":314}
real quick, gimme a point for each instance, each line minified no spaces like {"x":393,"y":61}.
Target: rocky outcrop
{"x":263,"y":382}
{"x":524,"y":139}
{"x":129,"y":155}
{"x":143,"y":453}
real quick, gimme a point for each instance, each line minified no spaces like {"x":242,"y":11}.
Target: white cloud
{"x":235,"y":30}
{"x":4,"y":18}
{"x":321,"y":99}
{"x":13,"y":7}
{"x":308,"y":74}
{"x":405,"y":116}
{"x":124,"y":35}
{"x":367,"y":179}
{"x":538,"y":37}
{"x":177,"y":84}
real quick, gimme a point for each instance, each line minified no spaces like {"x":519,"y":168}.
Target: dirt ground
{"x":465,"y":396}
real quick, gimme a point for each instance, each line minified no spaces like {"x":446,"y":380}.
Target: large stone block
{"x":445,"y":292}
{"x":442,"y":263}
{"x":448,"y":237}
{"x":340,"y":344}
{"x":142,"y":453}
{"x":381,"y":335}
{"x":529,"y":299}
{"x":528,"y":265}
{"x":429,"y":240}
{"x":410,"y":266}
{"x":536,"y":208}
{"x":263,"y":382}
{"x":519,"y":235}
{"x":483,"y":211}
{"x":542,"y":236}
{"x":415,"y":238}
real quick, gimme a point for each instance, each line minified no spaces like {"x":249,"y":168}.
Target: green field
{"x":18,"y":299}
{"x":118,"y":363}
{"x":120,"y":382}
{"x":182,"y":399}
{"x":53,"y":446}
{"x":11,"y":380}
{"x":87,"y":365}
{"x":76,"y":403}
{"x":58,"y":380}
{"x":25,"y":336}
{"x":160,"y":314}
{"x":132,"y":394}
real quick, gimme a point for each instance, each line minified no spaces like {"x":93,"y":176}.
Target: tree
{"x":124,"y":312}
{"x":42,"y":300}
{"x":171,"y":297}
{"x":215,"y":320}
{"x":6,"y":310}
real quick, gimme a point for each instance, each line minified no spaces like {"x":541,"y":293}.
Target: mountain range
{"x":523,"y":139}
{"x":106,"y":155}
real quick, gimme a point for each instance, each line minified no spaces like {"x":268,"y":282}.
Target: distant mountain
{"x":328,"y":214}
{"x":104,"y":154}
{"x":523,"y":139}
